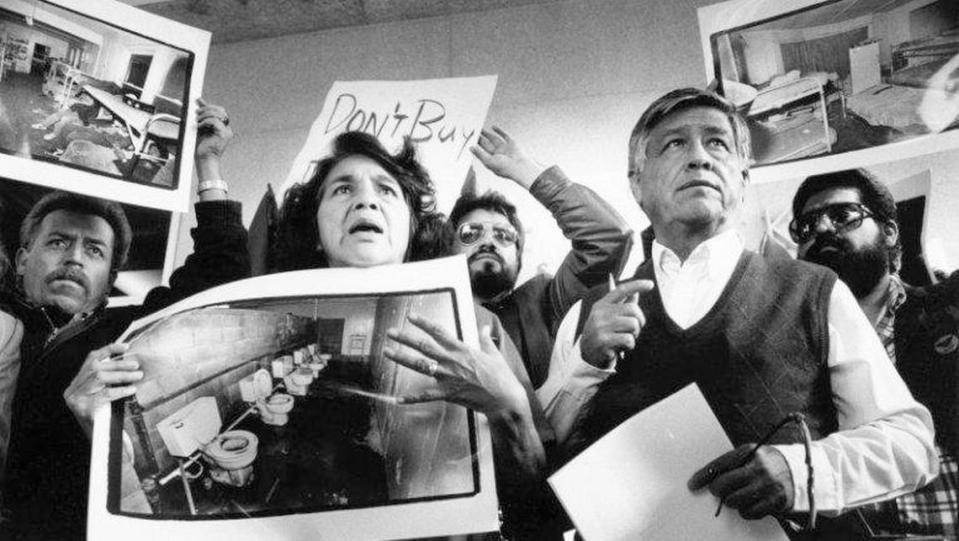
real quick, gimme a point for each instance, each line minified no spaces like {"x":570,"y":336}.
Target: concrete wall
{"x":573,"y":78}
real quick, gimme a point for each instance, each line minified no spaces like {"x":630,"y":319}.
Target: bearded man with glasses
{"x":847,"y":221}
{"x":488,"y":230}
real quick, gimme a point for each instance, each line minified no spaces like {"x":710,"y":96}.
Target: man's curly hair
{"x":297,"y":235}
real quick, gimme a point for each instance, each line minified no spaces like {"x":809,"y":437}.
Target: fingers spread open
{"x":482,"y":154}
{"x":412,"y":361}
{"x":443,"y":337}
{"x":502,"y":133}
{"x":422,"y":344}
{"x":429,"y":395}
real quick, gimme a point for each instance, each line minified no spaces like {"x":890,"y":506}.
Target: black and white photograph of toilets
{"x":270,"y":408}
{"x":286,"y":406}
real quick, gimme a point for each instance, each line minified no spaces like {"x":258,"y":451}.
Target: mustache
{"x":69,"y":273}
{"x":828,"y":241}
{"x":486,"y":250}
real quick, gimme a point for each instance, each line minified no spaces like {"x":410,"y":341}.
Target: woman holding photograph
{"x":365,"y":207}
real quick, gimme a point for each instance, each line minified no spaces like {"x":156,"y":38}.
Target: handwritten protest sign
{"x":442,"y":116}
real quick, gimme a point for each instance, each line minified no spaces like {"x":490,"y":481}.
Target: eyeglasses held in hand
{"x":472,"y":232}
{"x":842,"y":217}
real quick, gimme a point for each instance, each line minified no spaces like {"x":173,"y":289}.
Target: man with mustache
{"x":847,"y":221}
{"x":488,"y":230}
{"x":71,"y":249}
{"x":761,"y":338}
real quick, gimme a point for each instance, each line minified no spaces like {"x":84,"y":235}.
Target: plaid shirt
{"x":933,"y":509}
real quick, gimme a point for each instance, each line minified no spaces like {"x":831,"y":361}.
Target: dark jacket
{"x":48,"y":467}
{"x":927,"y":353}
{"x":601,"y":243}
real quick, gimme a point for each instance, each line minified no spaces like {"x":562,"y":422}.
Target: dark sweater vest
{"x":759,"y":354}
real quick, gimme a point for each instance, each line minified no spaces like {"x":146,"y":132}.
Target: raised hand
{"x":213,"y":130}
{"x":614,"y":323}
{"x":503,"y":156}
{"x":476,"y":378}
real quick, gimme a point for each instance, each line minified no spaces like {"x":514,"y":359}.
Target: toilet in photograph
{"x":256,"y":386}
{"x":233,"y":452}
{"x":196,"y":427}
{"x":299,"y":381}
{"x":275,"y":409}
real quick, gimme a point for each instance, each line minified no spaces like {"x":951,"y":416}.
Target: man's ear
{"x":21,"y":260}
{"x":634,"y":187}
{"x":891,"y":229}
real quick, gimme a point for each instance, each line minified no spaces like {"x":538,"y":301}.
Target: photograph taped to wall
{"x":926,"y":191}
{"x":98,"y":98}
{"x":816,"y":78}
{"x":276,"y":415}
{"x":443,"y":117}
{"x":150,"y":260}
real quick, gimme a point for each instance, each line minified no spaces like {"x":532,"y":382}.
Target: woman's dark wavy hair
{"x":297,"y":236}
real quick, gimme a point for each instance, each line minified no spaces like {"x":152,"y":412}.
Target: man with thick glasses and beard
{"x":847,"y":221}
{"x":488,"y":230}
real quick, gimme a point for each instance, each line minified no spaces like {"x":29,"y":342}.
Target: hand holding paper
{"x":106,"y":375}
{"x":632,"y":483}
{"x":754,"y":480}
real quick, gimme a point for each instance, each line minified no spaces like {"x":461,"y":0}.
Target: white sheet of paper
{"x":631,"y":484}
{"x":442,"y":116}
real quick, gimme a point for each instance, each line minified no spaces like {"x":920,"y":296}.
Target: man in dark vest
{"x":847,"y":221}
{"x":488,"y":230}
{"x":761,"y":338}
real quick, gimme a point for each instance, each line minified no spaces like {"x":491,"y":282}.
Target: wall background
{"x":573,"y":78}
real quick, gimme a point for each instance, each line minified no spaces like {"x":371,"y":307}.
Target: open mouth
{"x":364,"y":226}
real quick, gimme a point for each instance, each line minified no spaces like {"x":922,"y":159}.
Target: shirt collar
{"x":719,"y":254}
{"x":895,"y":294}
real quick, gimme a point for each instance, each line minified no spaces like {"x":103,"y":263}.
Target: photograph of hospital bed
{"x":286,"y":406}
{"x":84,"y":94}
{"x":838,"y":76}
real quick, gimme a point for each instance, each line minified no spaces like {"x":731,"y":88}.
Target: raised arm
{"x":220,"y":250}
{"x":601,"y":239}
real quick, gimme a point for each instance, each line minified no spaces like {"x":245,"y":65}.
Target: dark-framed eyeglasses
{"x":842,"y":217}
{"x":469,"y":233}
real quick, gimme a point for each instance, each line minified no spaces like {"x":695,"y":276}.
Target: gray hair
{"x":674,"y":102}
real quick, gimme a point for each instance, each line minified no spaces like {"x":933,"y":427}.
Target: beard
{"x":491,"y":279}
{"x":861,"y":269}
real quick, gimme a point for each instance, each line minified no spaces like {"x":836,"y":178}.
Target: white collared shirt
{"x":690,"y":288}
{"x":884,"y":446}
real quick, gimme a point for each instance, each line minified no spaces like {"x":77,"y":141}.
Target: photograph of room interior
{"x":278,"y":406}
{"x":838,"y":76}
{"x":82,"y":93}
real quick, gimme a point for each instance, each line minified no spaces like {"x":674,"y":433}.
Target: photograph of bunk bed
{"x":836,"y":76}
{"x":895,"y":102}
